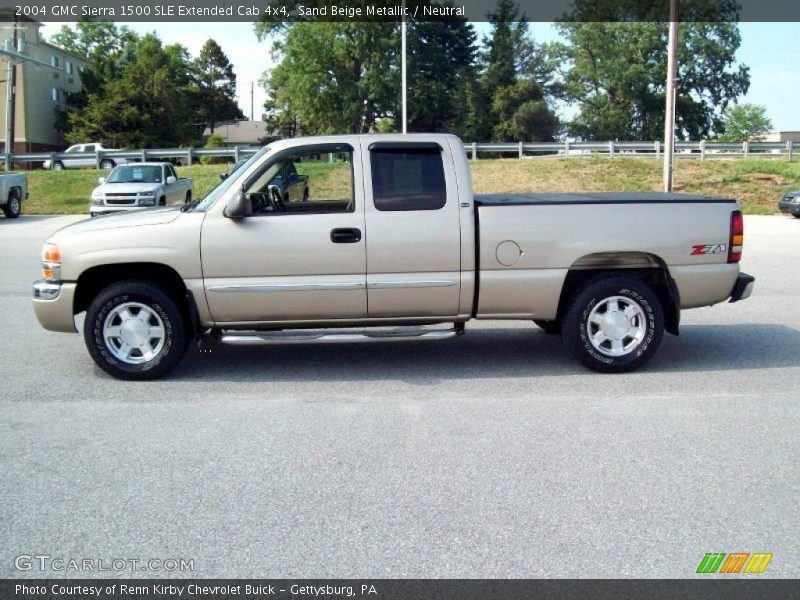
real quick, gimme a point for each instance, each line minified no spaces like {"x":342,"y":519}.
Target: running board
{"x":250,"y":338}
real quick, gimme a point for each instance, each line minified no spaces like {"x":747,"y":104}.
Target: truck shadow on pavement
{"x":487,"y":353}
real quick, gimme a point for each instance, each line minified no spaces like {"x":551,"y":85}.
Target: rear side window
{"x":408,"y":179}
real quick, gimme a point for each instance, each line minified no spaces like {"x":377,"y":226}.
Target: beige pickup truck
{"x":387,"y":243}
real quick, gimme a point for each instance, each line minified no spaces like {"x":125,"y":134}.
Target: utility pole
{"x":403,"y":67}
{"x":669,"y":116}
{"x":252,"y":105}
{"x":13,"y":56}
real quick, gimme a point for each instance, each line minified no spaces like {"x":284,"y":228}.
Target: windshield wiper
{"x":190,"y":205}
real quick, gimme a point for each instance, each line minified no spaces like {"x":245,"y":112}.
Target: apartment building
{"x":40,"y":89}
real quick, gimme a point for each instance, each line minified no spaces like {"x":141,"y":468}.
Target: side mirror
{"x":171,"y":180}
{"x":223,"y":176}
{"x":101,"y":180}
{"x":236,"y":207}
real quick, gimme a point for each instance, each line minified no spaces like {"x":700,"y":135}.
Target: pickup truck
{"x":83,"y":156}
{"x":13,"y":188}
{"x":391,"y":245}
{"x":140,"y":185}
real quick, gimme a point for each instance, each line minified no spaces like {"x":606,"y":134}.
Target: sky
{"x":769,"y":49}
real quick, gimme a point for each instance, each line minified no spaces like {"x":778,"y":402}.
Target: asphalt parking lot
{"x":493,"y":455}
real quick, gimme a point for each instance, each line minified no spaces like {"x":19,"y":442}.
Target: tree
{"x":147,"y":105}
{"x":517,"y":84}
{"x":616,"y":76}
{"x":338,"y":77}
{"x":441,"y":55}
{"x":215,"y":85}
{"x":745,"y":122}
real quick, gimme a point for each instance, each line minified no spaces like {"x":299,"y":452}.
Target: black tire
{"x":58,"y":166}
{"x":13,"y":206}
{"x":305,"y":195}
{"x":157,"y":299}
{"x":107,"y":163}
{"x":188,"y":198}
{"x":162,"y":201}
{"x":576,"y":329}
{"x":796,"y":216}
{"x":549,"y":327}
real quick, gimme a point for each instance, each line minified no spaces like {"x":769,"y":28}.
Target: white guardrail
{"x":698,"y":150}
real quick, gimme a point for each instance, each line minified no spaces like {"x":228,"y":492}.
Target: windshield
{"x":135,"y":174}
{"x":228,"y":182}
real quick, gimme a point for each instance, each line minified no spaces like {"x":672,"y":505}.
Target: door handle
{"x":345,"y":235}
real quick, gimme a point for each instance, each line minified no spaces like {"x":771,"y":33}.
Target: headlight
{"x":147,"y":194}
{"x":51,"y":262}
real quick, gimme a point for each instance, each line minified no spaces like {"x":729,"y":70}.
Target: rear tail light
{"x":737,"y":237}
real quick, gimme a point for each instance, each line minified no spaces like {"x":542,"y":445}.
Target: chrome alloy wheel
{"x":616,"y":326}
{"x":134,"y":333}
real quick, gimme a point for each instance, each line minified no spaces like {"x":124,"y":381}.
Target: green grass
{"x":756,"y":183}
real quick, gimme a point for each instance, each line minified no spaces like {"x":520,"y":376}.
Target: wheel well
{"x":93,"y":280}
{"x":16,"y":189}
{"x":646,"y":267}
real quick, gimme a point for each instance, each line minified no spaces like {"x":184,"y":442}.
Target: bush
{"x":214,"y":141}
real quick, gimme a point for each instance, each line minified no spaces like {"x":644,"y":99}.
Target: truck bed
{"x":548,"y":198}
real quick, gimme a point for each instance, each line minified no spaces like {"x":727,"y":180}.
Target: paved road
{"x":493,"y":455}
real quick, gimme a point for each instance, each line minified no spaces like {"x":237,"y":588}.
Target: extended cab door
{"x":413,"y":230}
{"x":291,"y":260}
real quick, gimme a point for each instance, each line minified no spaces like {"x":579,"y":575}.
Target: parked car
{"x":236,"y":165}
{"x":140,"y":185}
{"x":399,"y":240}
{"x":82,"y":162}
{"x":790,"y":204}
{"x":291,"y":186}
{"x":13,"y":188}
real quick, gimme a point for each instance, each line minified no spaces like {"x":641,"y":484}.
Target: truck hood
{"x":126,"y":188}
{"x":135,"y":218}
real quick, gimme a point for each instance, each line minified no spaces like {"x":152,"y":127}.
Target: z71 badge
{"x":709,"y":249}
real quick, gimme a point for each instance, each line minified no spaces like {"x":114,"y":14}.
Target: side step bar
{"x":408,"y":334}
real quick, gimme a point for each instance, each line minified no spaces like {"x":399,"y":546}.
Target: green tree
{"x":616,"y":76}
{"x":745,"y":122}
{"x":518,"y":82}
{"x":332,"y":77}
{"x":215,"y":85}
{"x":147,"y":105}
{"x":441,"y":56}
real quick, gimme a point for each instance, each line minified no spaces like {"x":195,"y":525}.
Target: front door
{"x":291,"y":260}
{"x":413,"y":244}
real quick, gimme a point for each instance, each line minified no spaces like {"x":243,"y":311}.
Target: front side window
{"x":408,"y":179}
{"x":313,"y":181}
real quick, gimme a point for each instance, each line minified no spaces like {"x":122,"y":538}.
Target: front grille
{"x":121,"y":201}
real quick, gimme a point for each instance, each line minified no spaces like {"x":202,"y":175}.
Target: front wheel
{"x":13,"y":207}
{"x":614,"y":325}
{"x":106,"y":164}
{"x":188,"y":198}
{"x":135,"y":330}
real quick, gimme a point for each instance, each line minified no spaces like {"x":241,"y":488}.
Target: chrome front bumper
{"x":53,"y":303}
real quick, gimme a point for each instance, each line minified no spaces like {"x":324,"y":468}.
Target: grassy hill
{"x":756,"y":183}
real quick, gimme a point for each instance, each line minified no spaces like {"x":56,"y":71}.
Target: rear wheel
{"x":550,"y":327}
{"x":796,"y":216}
{"x":614,"y":325}
{"x":188,"y":198}
{"x":135,"y":330}
{"x":13,"y":206}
